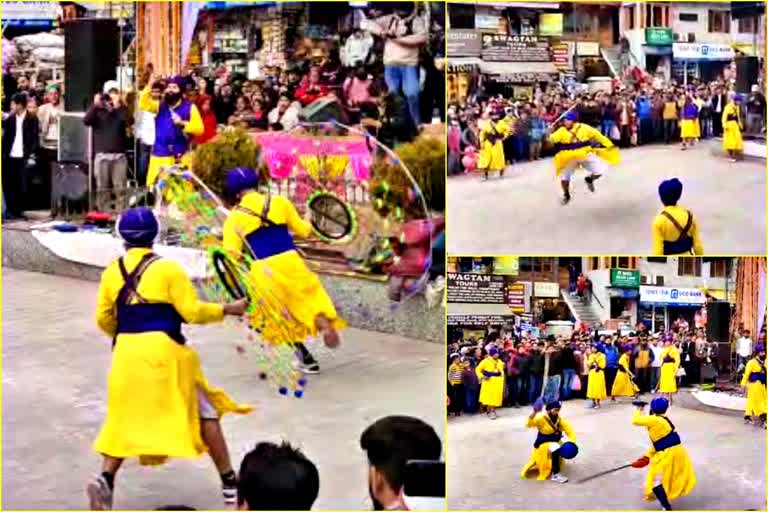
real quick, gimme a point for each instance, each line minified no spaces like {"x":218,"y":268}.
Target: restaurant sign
{"x":505,"y":48}
{"x":516,"y":298}
{"x":463,"y":43}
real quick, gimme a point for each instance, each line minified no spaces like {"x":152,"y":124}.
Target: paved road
{"x":55,"y":364}
{"x":521,"y":214}
{"x":485,"y":458}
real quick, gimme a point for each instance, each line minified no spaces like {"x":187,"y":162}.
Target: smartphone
{"x":424,"y":485}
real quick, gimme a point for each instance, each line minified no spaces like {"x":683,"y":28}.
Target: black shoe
{"x":565,"y":200}
{"x":591,"y":181}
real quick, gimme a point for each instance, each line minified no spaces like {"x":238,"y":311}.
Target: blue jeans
{"x":534,"y":387}
{"x":513,"y":390}
{"x":552,"y":389}
{"x":142,"y":165}
{"x":606,"y":126}
{"x":405,"y":78}
{"x":568,"y":376}
{"x":473,"y":395}
{"x":655,"y":376}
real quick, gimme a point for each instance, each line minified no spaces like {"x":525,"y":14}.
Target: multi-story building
{"x":686,"y":40}
{"x":656,"y":291}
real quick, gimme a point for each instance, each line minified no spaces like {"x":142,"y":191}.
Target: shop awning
{"x":657,"y":50}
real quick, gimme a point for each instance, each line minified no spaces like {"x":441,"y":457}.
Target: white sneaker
{"x":557,"y":477}
{"x":99,"y":494}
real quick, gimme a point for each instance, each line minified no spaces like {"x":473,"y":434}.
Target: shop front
{"x":547,"y":306}
{"x":463,"y":63}
{"x":623,"y":295}
{"x":477,"y":327}
{"x":658,"y":51}
{"x":661,"y":306}
{"x":514,"y":65}
{"x":700,"y":61}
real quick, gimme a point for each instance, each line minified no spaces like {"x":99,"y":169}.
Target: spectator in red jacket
{"x":209,"y":120}
{"x":311,"y":89}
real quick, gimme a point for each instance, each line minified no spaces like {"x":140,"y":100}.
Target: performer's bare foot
{"x":330,"y":336}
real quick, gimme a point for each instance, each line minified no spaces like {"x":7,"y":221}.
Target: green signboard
{"x":622,"y":278}
{"x":659,"y":36}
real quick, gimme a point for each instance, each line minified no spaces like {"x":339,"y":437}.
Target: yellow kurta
{"x":672,"y":467}
{"x":622,"y":384}
{"x":663,"y":230}
{"x":152,"y":401}
{"x":732,"y":140}
{"x":596,"y":382}
{"x":491,"y":156}
{"x":192,"y":128}
{"x":541,"y":458}
{"x":689,"y":129}
{"x":668,"y":379}
{"x":282,"y":280}
{"x":491,"y":388}
{"x":582,"y":133}
{"x":756,"y":395}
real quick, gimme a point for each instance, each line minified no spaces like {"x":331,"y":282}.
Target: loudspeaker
{"x":747,"y":69}
{"x":74,"y":137}
{"x":91,"y":56}
{"x":718,"y":321}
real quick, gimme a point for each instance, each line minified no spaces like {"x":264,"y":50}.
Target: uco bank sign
{"x":699,"y":51}
{"x":672,"y":296}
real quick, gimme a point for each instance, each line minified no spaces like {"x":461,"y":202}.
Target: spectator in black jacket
{"x":569,"y":367}
{"x":108,"y":118}
{"x":21,"y":138}
{"x":536,"y":372}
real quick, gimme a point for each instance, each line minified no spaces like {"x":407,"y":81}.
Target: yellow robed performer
{"x":491,"y":157}
{"x":674,"y":230}
{"x":580,"y":145}
{"x":754,"y":381}
{"x":623,"y":384}
{"x":176,"y":122}
{"x":490,"y":371}
{"x":670,"y":474}
{"x":268,"y":224}
{"x":550,"y":445}
{"x":159,"y":403}
{"x":733,"y":143}
{"x":596,"y":390}
{"x":670,"y":364}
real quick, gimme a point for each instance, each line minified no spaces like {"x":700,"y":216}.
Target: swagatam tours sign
{"x":476,"y":288}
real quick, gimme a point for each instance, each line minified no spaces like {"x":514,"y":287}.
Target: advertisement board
{"x":505,"y":48}
{"x":476,"y":288}
{"x":665,"y":295}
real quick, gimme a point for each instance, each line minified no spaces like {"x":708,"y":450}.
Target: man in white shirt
{"x":145,"y":133}
{"x":21,"y":138}
{"x":656,"y":348}
{"x":743,"y":349}
{"x":285,"y":116}
{"x":48,"y":114}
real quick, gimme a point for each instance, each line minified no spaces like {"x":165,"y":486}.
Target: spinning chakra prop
{"x":364,"y":217}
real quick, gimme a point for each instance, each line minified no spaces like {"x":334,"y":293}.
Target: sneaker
{"x":590,"y":180}
{"x":565,"y":200}
{"x":99,"y":494}
{"x":557,"y":477}
{"x":308,"y":367}
{"x":230,"y":494}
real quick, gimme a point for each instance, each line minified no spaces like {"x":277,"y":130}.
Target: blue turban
{"x":493,"y":351}
{"x":138,"y":227}
{"x":553,"y":405}
{"x":738,"y":98}
{"x":239,"y":179}
{"x":179,"y":80}
{"x":670,"y":191}
{"x":759,"y":348}
{"x":572,"y":116}
{"x":659,"y":405}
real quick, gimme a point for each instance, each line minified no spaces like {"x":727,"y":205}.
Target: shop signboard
{"x":546,"y":290}
{"x":561,"y":56}
{"x":487,"y":21}
{"x":524,"y":78}
{"x":476,"y":288}
{"x":551,"y":24}
{"x":29,"y":14}
{"x":587,"y":49}
{"x":516,"y":297}
{"x":479,"y":320}
{"x":505,"y":48}
{"x":622,"y":278}
{"x":664,"y":295}
{"x":506,"y":265}
{"x":463,"y":43}
{"x":701,"y":51}
{"x":659,"y":36}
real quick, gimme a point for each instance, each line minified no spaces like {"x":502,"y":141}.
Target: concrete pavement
{"x":485,"y":458}
{"x":521,"y":213}
{"x":55,"y":364}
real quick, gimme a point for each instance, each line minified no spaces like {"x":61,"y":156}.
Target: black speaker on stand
{"x":718,"y":330}
{"x":91,"y":57}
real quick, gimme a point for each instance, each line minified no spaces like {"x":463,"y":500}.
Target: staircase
{"x":612,"y":57}
{"x":581,"y":312}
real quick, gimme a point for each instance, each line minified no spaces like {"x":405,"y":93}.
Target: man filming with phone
{"x":108,"y":118}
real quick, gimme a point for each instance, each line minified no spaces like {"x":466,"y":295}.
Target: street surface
{"x":485,"y":458}
{"x":55,"y":365}
{"x":521,"y":214}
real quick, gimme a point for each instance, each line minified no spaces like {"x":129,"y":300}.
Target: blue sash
{"x":547,"y":438}
{"x":573,"y":145}
{"x":491,"y":374}
{"x":757,"y":377}
{"x":668,"y":441}
{"x":668,"y":359}
{"x":144,"y":316}
{"x":269,"y":239}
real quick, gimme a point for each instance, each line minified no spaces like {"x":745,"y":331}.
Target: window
{"x":577,"y":21}
{"x":687,"y":16}
{"x":689,"y":267}
{"x":643,"y":279}
{"x":656,"y":260}
{"x":747,"y":26}
{"x":626,"y":262}
{"x":593,"y":263}
{"x":537,"y":265}
{"x":461,"y":16}
{"x":720,"y":21}
{"x":717,"y":268}
{"x":659,"y":280}
{"x":630,"y":17}
{"x":656,"y":15}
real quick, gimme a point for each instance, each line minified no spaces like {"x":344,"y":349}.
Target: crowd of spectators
{"x":648,"y":112}
{"x":524,"y":357}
